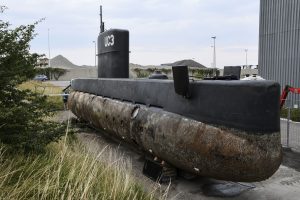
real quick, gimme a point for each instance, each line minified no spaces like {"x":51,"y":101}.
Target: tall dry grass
{"x":45,"y":88}
{"x":68,"y":171}
{"x":41,"y":87}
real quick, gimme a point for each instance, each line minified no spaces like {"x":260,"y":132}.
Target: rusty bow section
{"x":196,"y":147}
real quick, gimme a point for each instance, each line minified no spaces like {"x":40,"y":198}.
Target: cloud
{"x":160,"y":31}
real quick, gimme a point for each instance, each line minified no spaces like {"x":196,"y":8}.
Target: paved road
{"x":60,"y":83}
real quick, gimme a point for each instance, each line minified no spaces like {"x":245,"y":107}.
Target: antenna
{"x":101,"y":22}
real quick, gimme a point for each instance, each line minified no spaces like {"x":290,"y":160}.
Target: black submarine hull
{"x":246,"y":105}
{"x":227,"y":130}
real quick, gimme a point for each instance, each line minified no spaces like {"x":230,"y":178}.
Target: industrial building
{"x":279,"y":42}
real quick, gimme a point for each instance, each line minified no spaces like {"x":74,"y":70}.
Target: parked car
{"x":40,"y":77}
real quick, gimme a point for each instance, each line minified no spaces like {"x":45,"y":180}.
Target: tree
{"x":23,"y":113}
{"x":52,"y":72}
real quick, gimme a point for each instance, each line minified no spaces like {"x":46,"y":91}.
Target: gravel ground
{"x":283,"y":185}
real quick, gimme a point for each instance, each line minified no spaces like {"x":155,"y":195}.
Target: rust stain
{"x":193,"y":146}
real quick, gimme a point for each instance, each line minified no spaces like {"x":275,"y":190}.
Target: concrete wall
{"x":79,"y":73}
{"x":279,"y":42}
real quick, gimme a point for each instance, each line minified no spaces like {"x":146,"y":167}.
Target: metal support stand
{"x":159,"y":170}
{"x":288,"y":128}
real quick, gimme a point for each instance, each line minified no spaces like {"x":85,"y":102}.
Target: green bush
{"x":24,"y":115}
{"x":203,"y":73}
{"x":24,"y":124}
{"x":45,"y":88}
{"x":295,"y":114}
{"x":142,"y":73}
{"x":166,"y":71}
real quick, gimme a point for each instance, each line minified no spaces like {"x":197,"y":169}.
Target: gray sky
{"x":160,"y":31}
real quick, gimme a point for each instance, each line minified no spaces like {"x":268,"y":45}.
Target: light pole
{"x":214,"y":54}
{"x":212,"y":63}
{"x":95,"y":53}
{"x":49,"y":62}
{"x":246,"y":51}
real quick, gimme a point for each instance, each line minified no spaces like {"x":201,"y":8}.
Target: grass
{"x":295,"y":114}
{"x":68,"y":171}
{"x":45,"y":89}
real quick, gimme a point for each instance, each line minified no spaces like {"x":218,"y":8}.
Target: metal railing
{"x":290,"y":125}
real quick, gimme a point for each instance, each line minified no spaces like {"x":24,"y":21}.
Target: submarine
{"x":220,"y":128}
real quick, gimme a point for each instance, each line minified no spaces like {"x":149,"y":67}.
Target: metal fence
{"x":290,"y":128}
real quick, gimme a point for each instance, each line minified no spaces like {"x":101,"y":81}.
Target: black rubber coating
{"x":246,"y":105}
{"x":232,"y":71}
{"x":113,"y":57}
{"x":181,"y":80}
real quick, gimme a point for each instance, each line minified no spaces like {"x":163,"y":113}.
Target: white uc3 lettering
{"x":109,"y":40}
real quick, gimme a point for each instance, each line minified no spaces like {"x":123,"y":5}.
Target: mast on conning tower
{"x":101,"y":22}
